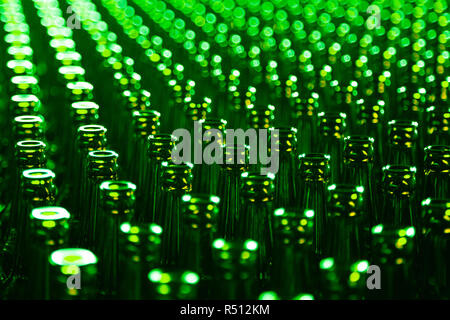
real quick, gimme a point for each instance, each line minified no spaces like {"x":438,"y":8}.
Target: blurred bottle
{"x":199,"y":225}
{"x":235,"y":271}
{"x":116,"y":206}
{"x":173,"y":284}
{"x":73,"y":274}
{"x":358,"y":170}
{"x":176,"y":180}
{"x":399,"y":196}
{"x":159,"y":149}
{"x":139,"y":248}
{"x":294,"y":264}
{"x":314,"y":174}
{"x":255,"y":219}
{"x":435,"y":247}
{"x":394,"y":251}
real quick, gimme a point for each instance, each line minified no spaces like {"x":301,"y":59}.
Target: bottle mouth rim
{"x":111,"y":185}
{"x":24,"y":79}
{"x":84,"y":105}
{"x":314,"y":156}
{"x":161,"y":137}
{"x":436,"y":202}
{"x":73,"y":257}
{"x":437,"y":148}
{"x":359,"y":139}
{"x":24,"y":98}
{"x":200,"y":198}
{"x":73,"y":85}
{"x":146,"y":113}
{"x":28,"y":119}
{"x":399,"y":168}
{"x":103,"y":154}
{"x":92,"y":128}
{"x":50,"y":213}
{"x":71,"y":70}
{"x":345,"y":187}
{"x":36,"y":174}
{"x":30,"y":144}
{"x":403,"y":123}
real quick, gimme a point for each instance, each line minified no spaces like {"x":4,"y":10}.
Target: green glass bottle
{"x":399,"y":195}
{"x":139,"y":248}
{"x":101,"y":166}
{"x":347,"y":224}
{"x":37,"y":190}
{"x":285,"y":178}
{"x":69,"y":262}
{"x":49,"y":231}
{"x":116,"y":206}
{"x":332,"y":127}
{"x":255,"y":219}
{"x":25,"y":104}
{"x":173,"y":284}
{"x":159,"y":149}
{"x":402,"y":142}
{"x":235,"y":163}
{"x":176,"y":180}
{"x":358,"y":163}
{"x":145,"y":123}
{"x":435,"y":246}
{"x":313,"y":175}
{"x":199,"y":225}
{"x":235,"y":271}
{"x":206,"y":174}
{"x":394,"y":251}
{"x":436,"y":171}
{"x":294,"y":264}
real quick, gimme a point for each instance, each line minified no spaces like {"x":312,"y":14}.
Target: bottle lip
{"x":382,"y":230}
{"x":344,"y":188}
{"x":24,"y":79}
{"x":314,"y":156}
{"x":332,"y":115}
{"x":128,"y":228}
{"x":437,"y":148}
{"x":73,"y":257}
{"x":161,"y":137}
{"x":247,"y":244}
{"x":103,"y":154}
{"x":30,"y":144}
{"x":36,"y":174}
{"x":92,"y":128}
{"x":436,"y":202}
{"x":84,"y":105}
{"x":70,"y":54}
{"x":146,"y":113}
{"x":218,"y":121}
{"x":28,"y":119}
{"x":50,"y":213}
{"x":359,"y":139}
{"x":200,"y":198}
{"x":83,"y":85}
{"x":21,"y":63}
{"x":111,"y":185}
{"x":399,"y":168}
{"x":71,"y":70}
{"x":25,"y":98}
{"x":403,"y":123}
{"x":285,"y":130}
